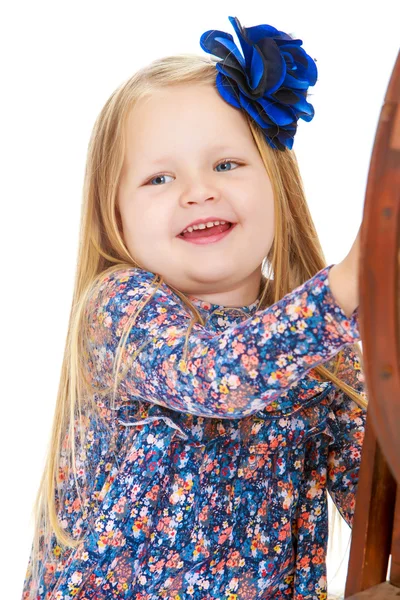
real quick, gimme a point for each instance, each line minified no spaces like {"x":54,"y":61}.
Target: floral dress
{"x":208,"y":479}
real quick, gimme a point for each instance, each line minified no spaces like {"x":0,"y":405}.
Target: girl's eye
{"x":158,"y":177}
{"x":226,"y":162}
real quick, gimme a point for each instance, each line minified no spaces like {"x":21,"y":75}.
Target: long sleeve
{"x":231,"y":374}
{"x":348,"y":427}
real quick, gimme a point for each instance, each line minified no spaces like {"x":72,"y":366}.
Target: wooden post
{"x":373,"y":520}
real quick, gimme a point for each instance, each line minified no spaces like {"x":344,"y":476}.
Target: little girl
{"x":205,"y":407}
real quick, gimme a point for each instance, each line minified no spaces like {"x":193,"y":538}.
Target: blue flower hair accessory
{"x":269,"y":81}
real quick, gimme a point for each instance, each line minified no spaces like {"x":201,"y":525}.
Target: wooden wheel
{"x":376,"y":528}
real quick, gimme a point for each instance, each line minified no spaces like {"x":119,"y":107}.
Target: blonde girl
{"x":211,"y":391}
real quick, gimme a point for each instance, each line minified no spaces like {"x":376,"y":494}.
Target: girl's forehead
{"x":189,"y":113}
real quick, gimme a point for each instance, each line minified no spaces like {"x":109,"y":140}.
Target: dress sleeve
{"x":348,"y":426}
{"x":231,"y":374}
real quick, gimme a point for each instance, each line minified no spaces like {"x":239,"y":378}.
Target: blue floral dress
{"x":208,"y":479}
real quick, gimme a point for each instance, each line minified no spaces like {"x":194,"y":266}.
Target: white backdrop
{"x":60,"y":63}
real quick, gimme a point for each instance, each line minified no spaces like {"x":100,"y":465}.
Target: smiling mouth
{"x":209,"y":235}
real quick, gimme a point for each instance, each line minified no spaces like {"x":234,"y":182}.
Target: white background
{"x":60,"y":63}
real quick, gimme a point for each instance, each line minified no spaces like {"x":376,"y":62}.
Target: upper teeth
{"x":204,"y":225}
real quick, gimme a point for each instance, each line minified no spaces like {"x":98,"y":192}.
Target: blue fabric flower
{"x":269,"y":81}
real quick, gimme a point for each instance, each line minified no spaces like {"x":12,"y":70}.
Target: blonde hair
{"x":295,"y":256}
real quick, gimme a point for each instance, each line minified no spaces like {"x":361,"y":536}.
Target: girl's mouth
{"x":208,"y":236}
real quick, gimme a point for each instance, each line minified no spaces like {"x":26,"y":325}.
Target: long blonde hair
{"x":295,"y":256}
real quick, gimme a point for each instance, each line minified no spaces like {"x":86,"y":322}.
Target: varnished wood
{"x":379,"y":277}
{"x":373,"y":520}
{"x":383,"y":591}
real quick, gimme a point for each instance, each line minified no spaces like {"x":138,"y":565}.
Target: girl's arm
{"x":231,"y":374}
{"x":348,"y":426}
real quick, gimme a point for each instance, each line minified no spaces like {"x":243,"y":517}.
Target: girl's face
{"x":190,"y":156}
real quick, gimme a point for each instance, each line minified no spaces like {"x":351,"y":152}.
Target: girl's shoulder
{"x":121,"y":277}
{"x":123,"y":284}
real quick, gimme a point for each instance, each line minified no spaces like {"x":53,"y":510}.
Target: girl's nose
{"x":199,"y":190}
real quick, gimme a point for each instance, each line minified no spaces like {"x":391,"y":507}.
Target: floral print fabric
{"x":208,"y":478}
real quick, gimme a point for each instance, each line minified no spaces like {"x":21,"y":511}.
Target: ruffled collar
{"x":209,"y":309}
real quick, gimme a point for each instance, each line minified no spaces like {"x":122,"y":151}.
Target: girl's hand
{"x":343,"y":279}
